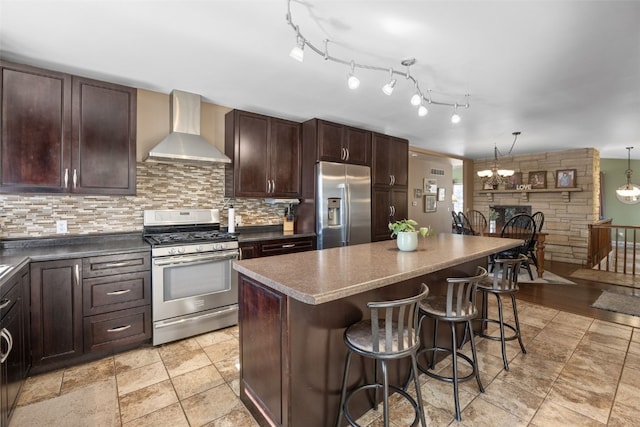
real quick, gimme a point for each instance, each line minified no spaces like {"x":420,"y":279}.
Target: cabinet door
{"x":399,"y":155}
{"x":358,"y":144}
{"x":36,"y":129}
{"x":380,"y":213}
{"x":287,"y":246}
{"x":399,"y":201}
{"x":381,"y":161}
{"x":13,"y":367}
{"x":249,"y":250}
{"x":251,"y":154}
{"x":56,"y":310}
{"x":104,"y":138}
{"x":285,"y":158}
{"x":330,"y":147}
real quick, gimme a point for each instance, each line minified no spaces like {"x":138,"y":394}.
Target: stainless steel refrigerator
{"x":343,"y":202}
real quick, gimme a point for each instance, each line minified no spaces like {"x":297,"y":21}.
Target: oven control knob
{"x":172,"y":251}
{"x":199,"y":249}
{"x":217,"y":246}
{"x":181,"y":250}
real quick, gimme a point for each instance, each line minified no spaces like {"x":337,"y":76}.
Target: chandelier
{"x":420,"y":99}
{"x":628,"y":193}
{"x":495,"y":176}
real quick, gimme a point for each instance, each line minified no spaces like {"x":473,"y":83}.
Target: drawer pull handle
{"x":5,"y":302}
{"x":290,"y":245}
{"x":123,"y":291}
{"x":116,"y":264}
{"x":119,"y":329}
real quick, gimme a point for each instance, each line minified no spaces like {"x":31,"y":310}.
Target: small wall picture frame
{"x":430,"y":186}
{"x":566,"y":178}
{"x":513,"y":181}
{"x":430,"y":203}
{"x":441,"y":194}
{"x":417,"y":193}
{"x":538,"y":179}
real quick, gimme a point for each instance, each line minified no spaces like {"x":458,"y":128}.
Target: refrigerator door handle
{"x":346,"y":204}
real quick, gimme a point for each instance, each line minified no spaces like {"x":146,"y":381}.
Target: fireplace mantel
{"x":566,"y":193}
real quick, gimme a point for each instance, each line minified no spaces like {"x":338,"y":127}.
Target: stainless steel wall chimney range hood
{"x":184,"y":143}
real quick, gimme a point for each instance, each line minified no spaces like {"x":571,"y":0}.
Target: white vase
{"x":407,"y":240}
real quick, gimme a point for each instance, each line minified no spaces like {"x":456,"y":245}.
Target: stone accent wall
{"x":159,"y":186}
{"x":566,"y":222}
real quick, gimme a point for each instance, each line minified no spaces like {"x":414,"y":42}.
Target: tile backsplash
{"x":159,"y":186}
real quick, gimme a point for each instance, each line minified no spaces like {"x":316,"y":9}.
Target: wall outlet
{"x":61,"y":226}
{"x":238,"y":220}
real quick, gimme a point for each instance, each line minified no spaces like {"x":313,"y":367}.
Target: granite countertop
{"x":335,"y":273}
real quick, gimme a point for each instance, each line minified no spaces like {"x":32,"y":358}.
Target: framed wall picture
{"x":417,"y":193}
{"x":538,"y":179}
{"x":430,"y":203}
{"x":430,"y":186}
{"x":441,"y":194}
{"x":513,"y":181}
{"x":566,"y":178}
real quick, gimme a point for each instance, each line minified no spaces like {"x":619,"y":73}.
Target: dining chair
{"x":478,"y":221}
{"x":538,"y":218}
{"x":523,"y":227}
{"x":465,"y":224}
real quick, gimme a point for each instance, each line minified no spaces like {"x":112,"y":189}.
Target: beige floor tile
{"x":634,"y":347}
{"x":223,"y":350}
{"x":147,"y":400}
{"x":197,"y":381}
{"x":82,"y":375}
{"x":176,"y":348}
{"x":605,"y":349}
{"x":144,"y":376}
{"x":171,"y":415}
{"x":136,"y":358}
{"x":553,"y":415}
{"x":481,"y":413}
{"x":215,"y":337}
{"x":535,"y":374}
{"x":611,"y":329}
{"x":589,"y":373}
{"x":514,"y":399}
{"x":238,"y":417}
{"x":185,"y":362}
{"x":229,"y":368}
{"x":41,"y":387}
{"x":591,"y":403}
{"x":210,"y":405}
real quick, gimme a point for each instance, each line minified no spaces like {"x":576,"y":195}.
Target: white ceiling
{"x":564,"y":73}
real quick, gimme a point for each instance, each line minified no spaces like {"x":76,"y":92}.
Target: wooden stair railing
{"x":614,"y":248}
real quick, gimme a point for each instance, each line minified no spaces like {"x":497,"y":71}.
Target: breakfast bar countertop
{"x":317,"y":277}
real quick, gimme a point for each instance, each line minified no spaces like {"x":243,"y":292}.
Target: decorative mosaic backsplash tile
{"x":159,"y":186}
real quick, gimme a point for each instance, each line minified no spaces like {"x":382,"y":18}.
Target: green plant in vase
{"x":407,"y":231}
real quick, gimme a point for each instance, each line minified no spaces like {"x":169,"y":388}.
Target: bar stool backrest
{"x":461,"y":294}
{"x":394,"y":324}
{"x":505,"y":273}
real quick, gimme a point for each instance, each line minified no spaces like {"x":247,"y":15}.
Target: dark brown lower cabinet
{"x":14,"y":347}
{"x":56,"y":310}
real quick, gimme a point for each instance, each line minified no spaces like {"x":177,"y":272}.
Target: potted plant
{"x":407,"y":231}
{"x":493,"y":217}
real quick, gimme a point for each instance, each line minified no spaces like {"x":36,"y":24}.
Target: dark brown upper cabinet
{"x":339,"y":143}
{"x":390,"y":161}
{"x":65,"y":134}
{"x":266,"y":155}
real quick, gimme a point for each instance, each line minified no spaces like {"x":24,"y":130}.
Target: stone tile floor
{"x":577,"y":371}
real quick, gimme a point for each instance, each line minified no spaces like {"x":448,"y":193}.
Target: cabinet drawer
{"x":279,"y":247}
{"x":12,"y":292}
{"x":116,"y":264}
{"x":103,"y":332}
{"x":110,"y":293}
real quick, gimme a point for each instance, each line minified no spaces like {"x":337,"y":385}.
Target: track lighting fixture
{"x":297,"y":52}
{"x":352,"y":80}
{"x":388,"y":88}
{"x":417,"y":99}
{"x":455,"y":117}
{"x":628,"y":193}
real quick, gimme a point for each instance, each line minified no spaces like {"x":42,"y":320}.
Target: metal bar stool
{"x":504,"y":282}
{"x":458,"y":305}
{"x":391,"y":333}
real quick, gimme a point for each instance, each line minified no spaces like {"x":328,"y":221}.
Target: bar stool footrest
{"x":494,"y":337}
{"x":462,"y":356}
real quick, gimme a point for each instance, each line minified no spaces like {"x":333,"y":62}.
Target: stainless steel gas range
{"x":193,"y":288}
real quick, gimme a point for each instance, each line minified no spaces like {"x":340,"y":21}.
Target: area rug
{"x":548,"y":277}
{"x":620,"y":303}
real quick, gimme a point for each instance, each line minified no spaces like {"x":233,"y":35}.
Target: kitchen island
{"x":294,"y":309}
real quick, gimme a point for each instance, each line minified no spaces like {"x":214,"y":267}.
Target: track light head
{"x":352,"y":81}
{"x":455,"y":117}
{"x":422,"y":110}
{"x":388,"y":88}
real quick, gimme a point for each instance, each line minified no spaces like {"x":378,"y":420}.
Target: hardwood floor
{"x":575,"y":299}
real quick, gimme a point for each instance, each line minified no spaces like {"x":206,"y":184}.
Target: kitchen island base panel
{"x":292,"y":354}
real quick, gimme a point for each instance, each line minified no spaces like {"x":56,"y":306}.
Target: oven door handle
{"x":195,"y":259}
